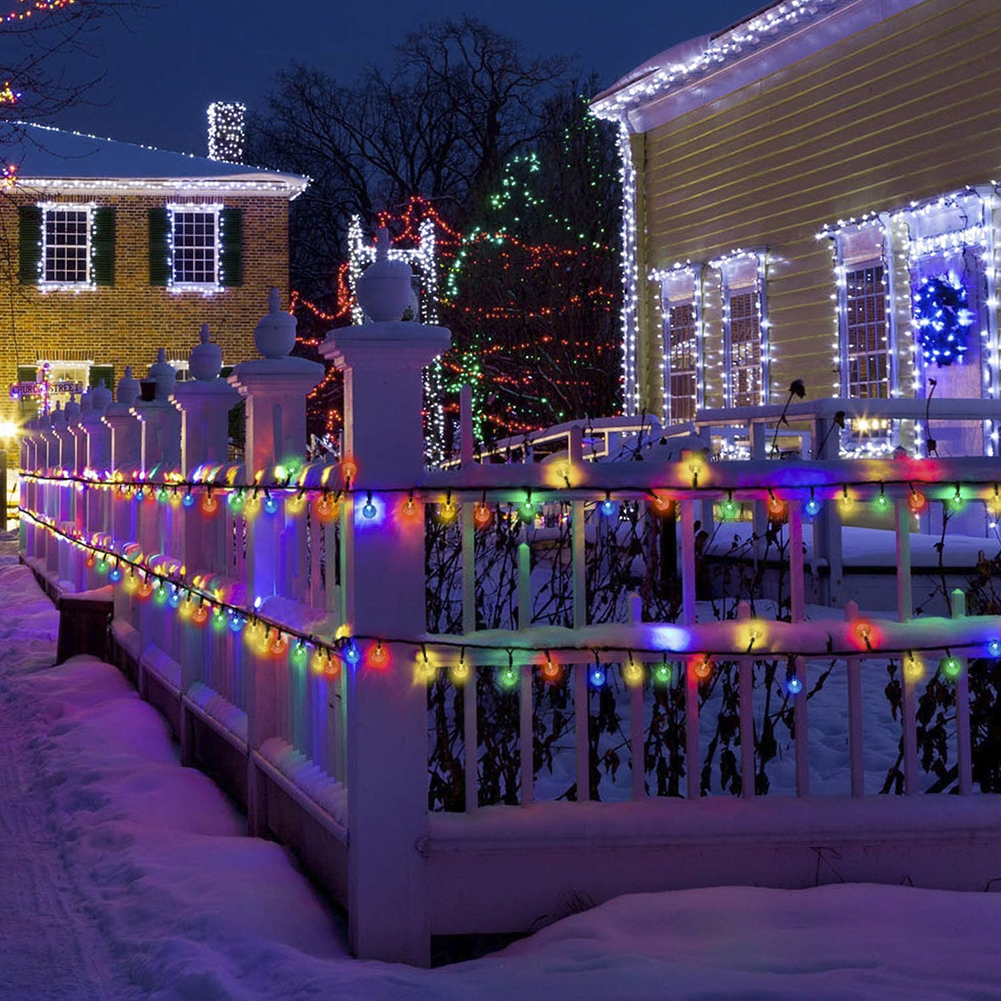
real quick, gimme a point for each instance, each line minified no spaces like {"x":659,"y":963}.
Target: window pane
{"x":745,"y":349}
{"x":865,"y":334}
{"x":681,"y":361}
{"x":194,"y":236}
{"x":67,"y":250}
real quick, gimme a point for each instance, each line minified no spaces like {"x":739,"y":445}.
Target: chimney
{"x":226,"y":131}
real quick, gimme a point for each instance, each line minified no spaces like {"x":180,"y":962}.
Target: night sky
{"x":161,"y":75}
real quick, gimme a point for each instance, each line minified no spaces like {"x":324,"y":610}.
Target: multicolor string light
{"x":270,"y":637}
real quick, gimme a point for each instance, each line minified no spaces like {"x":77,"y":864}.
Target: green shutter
{"x":103,"y":246}
{"x":105,"y":372}
{"x":27,"y":373}
{"x":231,"y":247}
{"x":30,"y":238}
{"x":160,"y":264}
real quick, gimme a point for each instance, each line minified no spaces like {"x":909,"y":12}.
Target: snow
{"x":126,"y":876}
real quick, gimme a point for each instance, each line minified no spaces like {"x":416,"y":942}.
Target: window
{"x":194,"y":232}
{"x":745,"y":329}
{"x":681,"y":361}
{"x":867,"y":342}
{"x":744,"y":369}
{"x":66,"y":245}
{"x":680,"y":290}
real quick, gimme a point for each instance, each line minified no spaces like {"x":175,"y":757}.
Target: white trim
{"x":147,"y":186}
{"x":215,"y":209}
{"x":55,"y":285}
{"x":772,"y":40}
{"x":725,"y":266}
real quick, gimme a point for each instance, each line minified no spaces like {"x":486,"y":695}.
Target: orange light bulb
{"x":200,"y":614}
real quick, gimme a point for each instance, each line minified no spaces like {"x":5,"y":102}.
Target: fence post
{"x":160,"y":438}
{"x":204,"y":403}
{"x":383,"y":365}
{"x":964,"y":751}
{"x":275,"y":387}
{"x":125,"y":451}
{"x":97,"y":457}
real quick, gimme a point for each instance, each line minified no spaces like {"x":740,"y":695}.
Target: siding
{"x":903,"y":111}
{"x":123,"y":324}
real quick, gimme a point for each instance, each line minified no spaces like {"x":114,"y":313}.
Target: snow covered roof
{"x":761,"y":43}
{"x":53,"y":158}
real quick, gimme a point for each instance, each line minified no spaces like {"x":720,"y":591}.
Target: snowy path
{"x":49,"y":945}
{"x":123,"y":875}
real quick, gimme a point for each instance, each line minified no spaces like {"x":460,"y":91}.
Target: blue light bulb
{"x":270,"y":505}
{"x":351,"y":653}
{"x":175,"y":598}
{"x":994,"y":648}
{"x":188,"y":500}
{"x":115,"y":575}
{"x":795,"y":686}
{"x":236,"y":623}
{"x":609,"y":508}
{"x":597,"y":677}
{"x":812,"y":507}
{"x":369,"y":510}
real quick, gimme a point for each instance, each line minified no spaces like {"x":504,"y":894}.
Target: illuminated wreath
{"x":942,"y":319}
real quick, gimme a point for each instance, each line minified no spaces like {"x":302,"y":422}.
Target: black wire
{"x":478,"y":491}
{"x":337,"y":646}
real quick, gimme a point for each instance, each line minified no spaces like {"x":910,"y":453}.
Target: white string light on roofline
{"x":765,"y":26}
{"x":663,"y":275}
{"x":193,"y":186}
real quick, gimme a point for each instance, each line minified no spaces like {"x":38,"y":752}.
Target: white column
{"x":383,"y":364}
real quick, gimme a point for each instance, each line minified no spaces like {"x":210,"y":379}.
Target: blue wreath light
{"x":942,"y":319}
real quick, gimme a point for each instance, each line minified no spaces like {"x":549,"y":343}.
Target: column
{"x":383,"y":363}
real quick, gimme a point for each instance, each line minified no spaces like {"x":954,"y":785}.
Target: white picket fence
{"x":335,"y":749}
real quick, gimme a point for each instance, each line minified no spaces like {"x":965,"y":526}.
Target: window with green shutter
{"x":231,"y":247}
{"x":160,"y":264}
{"x":30,"y":244}
{"x":103,"y":246}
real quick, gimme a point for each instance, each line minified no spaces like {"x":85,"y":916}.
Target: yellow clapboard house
{"x":797,"y":189}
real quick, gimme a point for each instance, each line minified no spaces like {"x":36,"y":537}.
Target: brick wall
{"x":125,"y":323}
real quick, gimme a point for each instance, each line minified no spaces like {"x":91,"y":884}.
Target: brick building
{"x":109,"y":250}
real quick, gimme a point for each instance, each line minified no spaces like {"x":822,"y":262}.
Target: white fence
{"x":280,"y":613}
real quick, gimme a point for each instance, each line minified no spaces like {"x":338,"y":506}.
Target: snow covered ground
{"x":123,"y":875}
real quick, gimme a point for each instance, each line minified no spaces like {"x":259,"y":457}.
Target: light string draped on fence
{"x":346,"y":647}
{"x":660,"y":496}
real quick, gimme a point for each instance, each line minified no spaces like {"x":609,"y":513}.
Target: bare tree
{"x":456,"y":102}
{"x":46,"y":63}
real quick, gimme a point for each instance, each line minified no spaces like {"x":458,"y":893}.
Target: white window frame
{"x":850,"y":261}
{"x":214,"y":209}
{"x":55,"y":284}
{"x":673,"y":283}
{"x":889,"y":349}
{"x":948,"y":228}
{"x":741,"y":272}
